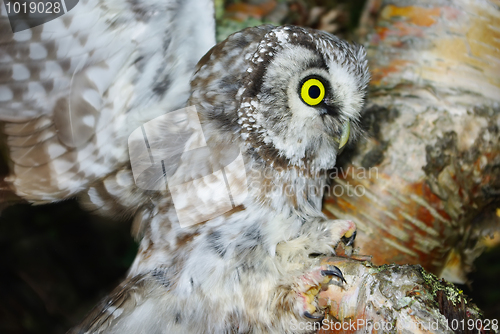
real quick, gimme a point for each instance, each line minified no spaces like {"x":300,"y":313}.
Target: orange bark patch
{"x":241,"y":11}
{"x":424,"y":17}
{"x":379,"y":73}
{"x":397,"y":221}
{"x":398,"y":30}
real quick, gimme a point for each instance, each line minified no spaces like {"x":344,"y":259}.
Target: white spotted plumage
{"x":72,"y":89}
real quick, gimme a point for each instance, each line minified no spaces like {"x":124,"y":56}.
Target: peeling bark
{"x":432,"y":121}
{"x":396,"y":299}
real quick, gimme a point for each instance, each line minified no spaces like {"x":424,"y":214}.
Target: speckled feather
{"x":242,"y":271}
{"x":72,"y":89}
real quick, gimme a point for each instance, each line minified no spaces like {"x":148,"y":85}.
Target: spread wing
{"x":73,"y":89}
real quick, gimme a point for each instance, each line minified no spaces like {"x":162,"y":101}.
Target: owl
{"x":284,"y":100}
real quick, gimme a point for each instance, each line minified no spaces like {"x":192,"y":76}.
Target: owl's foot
{"x":310,"y":285}
{"x":348,"y":241}
{"x":349,"y":232}
{"x":327,"y":236}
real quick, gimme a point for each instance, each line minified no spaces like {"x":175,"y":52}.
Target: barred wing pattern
{"x":74,"y":88}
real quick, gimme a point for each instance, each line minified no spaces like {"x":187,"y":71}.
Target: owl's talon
{"x":348,"y":241}
{"x":316,"y":316}
{"x":333,"y":271}
{"x":309,"y":287}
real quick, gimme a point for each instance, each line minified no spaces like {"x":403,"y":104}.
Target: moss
{"x":454,"y":295}
{"x":381,"y":268}
{"x":446,"y":294}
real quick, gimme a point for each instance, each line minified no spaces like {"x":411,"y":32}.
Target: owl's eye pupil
{"x":314,"y":92}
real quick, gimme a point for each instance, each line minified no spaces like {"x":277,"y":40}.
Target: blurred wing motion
{"x":73,"y":89}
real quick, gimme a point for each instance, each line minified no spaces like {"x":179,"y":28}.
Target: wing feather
{"x":74,"y":88}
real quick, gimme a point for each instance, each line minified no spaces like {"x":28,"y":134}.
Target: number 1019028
{"x":38,"y":7}
{"x":471,"y":324}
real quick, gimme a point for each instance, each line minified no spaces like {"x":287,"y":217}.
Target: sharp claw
{"x":333,"y":271}
{"x":349,"y":241}
{"x":315,"y":316}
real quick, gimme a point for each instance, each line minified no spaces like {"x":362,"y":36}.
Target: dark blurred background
{"x":57,"y":260}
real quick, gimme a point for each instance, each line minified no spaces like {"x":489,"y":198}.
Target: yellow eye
{"x":312,"y":92}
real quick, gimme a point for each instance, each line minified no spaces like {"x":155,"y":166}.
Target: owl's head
{"x":299,"y":93}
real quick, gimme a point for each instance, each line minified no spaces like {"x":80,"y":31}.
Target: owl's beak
{"x":344,"y":137}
